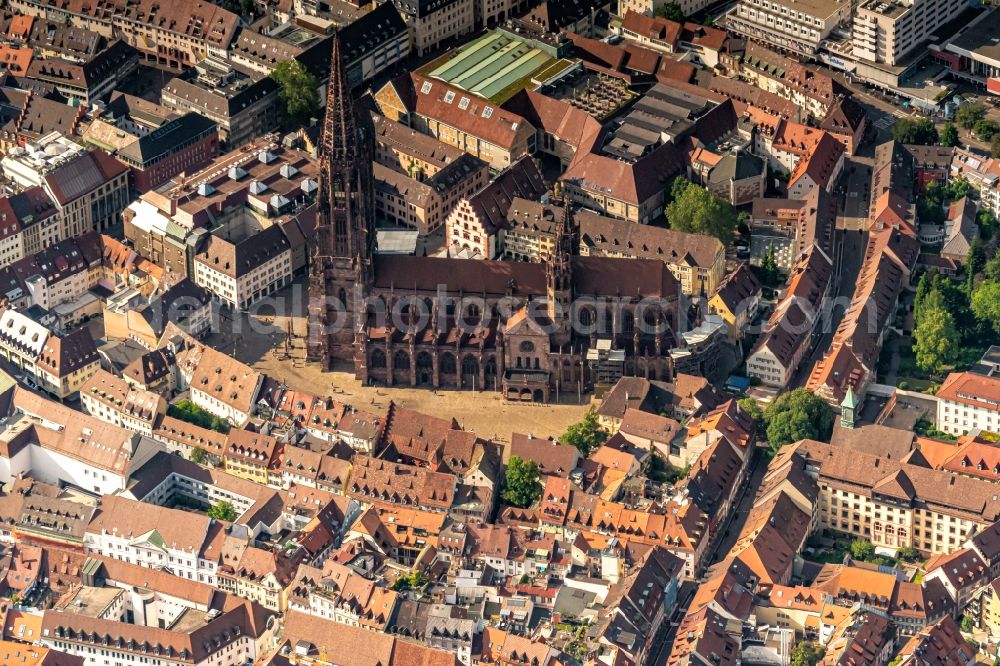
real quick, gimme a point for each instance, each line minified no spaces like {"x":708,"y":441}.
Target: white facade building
{"x":155,"y":537}
{"x":789,"y":25}
{"x":968,"y":402}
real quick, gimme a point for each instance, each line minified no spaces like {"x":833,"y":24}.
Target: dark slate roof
{"x":357,"y":39}
{"x":168,"y":138}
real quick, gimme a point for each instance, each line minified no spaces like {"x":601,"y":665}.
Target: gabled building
{"x":457,"y":118}
{"x":475,"y":228}
{"x":736,"y":301}
{"x":789,"y":330}
{"x":697,"y":261}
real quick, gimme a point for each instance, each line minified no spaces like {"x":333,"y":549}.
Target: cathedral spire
{"x":341,"y":264}
{"x":345,"y":155}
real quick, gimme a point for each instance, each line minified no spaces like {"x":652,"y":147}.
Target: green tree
{"x":299,"y":90}
{"x":967,"y":624}
{"x":769,"y":268}
{"x":908,"y":554}
{"x":223,"y":510}
{"x":995,"y":146}
{"x":753,"y":410}
{"x":586,"y":435}
{"x":949,"y":135}
{"x":671,"y":11}
{"x":919,"y":132}
{"x":923,"y":289}
{"x":806,"y":653}
{"x":795,"y":415}
{"x":967,"y":115}
{"x":198,"y":455}
{"x":696,"y":210}
{"x":410,"y":581}
{"x":185,"y":410}
{"x":957,"y":188}
{"x":986,"y":302}
{"x":985,"y":129}
{"x":521,"y":485}
{"x":862,"y":550}
{"x":991,"y":271}
{"x":987,"y":223}
{"x":974,"y":264}
{"x":936,"y":341}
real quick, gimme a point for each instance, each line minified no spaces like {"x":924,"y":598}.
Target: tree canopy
{"x":223,"y":510}
{"x":586,"y":435}
{"x":936,"y":340}
{"x":796,"y":415}
{"x":299,"y":90}
{"x":986,"y":302}
{"x":949,"y":135}
{"x":185,"y":410}
{"x":753,"y":410}
{"x":198,"y":455}
{"x":862,"y":550}
{"x":696,"y":210}
{"x":671,"y":11}
{"x":521,"y":485}
{"x":410,"y":581}
{"x":806,"y":653}
{"x":919,"y":132}
{"x":967,"y":115}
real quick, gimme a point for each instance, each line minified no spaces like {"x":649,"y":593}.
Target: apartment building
{"x":968,"y":402}
{"x":530,"y":231}
{"x":736,"y":301}
{"x":56,"y":364}
{"x":112,"y":399}
{"x":238,"y":635}
{"x":52,"y":442}
{"x":789,"y":331}
{"x":174,"y":34}
{"x":887,"y":31}
{"x":851,"y":360}
{"x":795,"y":26}
{"x":241,"y":272}
{"x":244,"y":108}
{"x":218,"y":382}
{"x":433,"y":23}
{"x":91,"y":81}
{"x":66,"y":363}
{"x":697,"y":261}
{"x":250,"y":455}
{"x":896,"y":504}
{"x":810,"y":90}
{"x":156,"y":537}
{"x":425,"y":203}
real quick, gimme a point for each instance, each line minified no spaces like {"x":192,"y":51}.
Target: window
{"x":426,"y":88}
{"x":463,"y":103}
{"x":449,"y":97}
{"x":487,"y":111}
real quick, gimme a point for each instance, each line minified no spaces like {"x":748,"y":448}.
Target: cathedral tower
{"x":341,"y":262}
{"x":559,"y":273}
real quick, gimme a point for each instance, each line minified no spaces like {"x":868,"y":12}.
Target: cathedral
{"x":531,"y":330}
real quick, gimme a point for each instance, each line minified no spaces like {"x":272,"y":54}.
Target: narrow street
{"x":728,"y":533}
